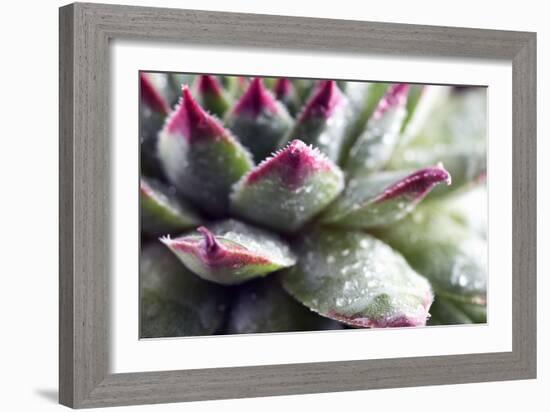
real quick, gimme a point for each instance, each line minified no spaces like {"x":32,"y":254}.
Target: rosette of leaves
{"x":295,"y":205}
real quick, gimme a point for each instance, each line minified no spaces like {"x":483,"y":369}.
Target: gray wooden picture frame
{"x":85,"y":32}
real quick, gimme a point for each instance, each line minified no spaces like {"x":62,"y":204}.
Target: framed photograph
{"x":256,"y":205}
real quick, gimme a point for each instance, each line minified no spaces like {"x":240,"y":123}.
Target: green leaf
{"x":357,"y":279}
{"x":286,"y":93}
{"x":262,"y":306}
{"x":235,"y":85}
{"x":375,"y":145}
{"x":287,"y":190}
{"x":423,"y":101}
{"x":200,"y":157}
{"x":476,"y":312}
{"x":259,"y":120}
{"x":231,"y":252}
{"x":455,"y":134}
{"x":304,"y":88}
{"x":150,"y":96}
{"x":161,"y":211}
{"x":469,"y":208}
{"x":363,"y":98}
{"x":382,"y":198}
{"x":211,"y":96}
{"x":153,"y":109}
{"x":416,"y":92}
{"x":323,"y":121}
{"x":449,"y":254}
{"x":175,"y":302}
{"x":448,"y":312}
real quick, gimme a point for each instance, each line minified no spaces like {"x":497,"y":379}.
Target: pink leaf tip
{"x":283,"y":87}
{"x":150,"y":95}
{"x":325,"y":100}
{"x":417,"y":184}
{"x":293,"y":163}
{"x":256,"y":99}
{"x":395,"y":96}
{"x":209,"y":84}
{"x":398,"y":320}
{"x":192,"y":121}
{"x":211,"y":245}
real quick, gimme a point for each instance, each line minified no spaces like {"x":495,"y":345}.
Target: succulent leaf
{"x":259,"y":120}
{"x":200,"y":157}
{"x":374,"y":242}
{"x":469,"y":208}
{"x":323,"y":121}
{"x":363,"y":98}
{"x":383,"y":198}
{"x":448,"y":312}
{"x":151,"y":97}
{"x":286,"y":93}
{"x":153,"y":111}
{"x":175,"y":302}
{"x":161,"y":211}
{"x":454,"y":134}
{"x":414,"y":97}
{"x":211,"y":96}
{"x":375,"y":145}
{"x":439,"y":247}
{"x":263,"y":306}
{"x":231,"y":252}
{"x":235,"y":85}
{"x":287,"y":190}
{"x":303,"y":88}
{"x":358,"y":280}
{"x":444,"y":312}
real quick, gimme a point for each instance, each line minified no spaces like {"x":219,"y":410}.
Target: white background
{"x":28,"y":99}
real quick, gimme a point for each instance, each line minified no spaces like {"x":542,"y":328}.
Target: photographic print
{"x":285,"y":205}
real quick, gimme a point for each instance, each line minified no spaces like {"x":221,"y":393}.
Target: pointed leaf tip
{"x":192,"y":121}
{"x":211,"y":245}
{"x":207,"y":83}
{"x":293,"y":164}
{"x":259,"y":120}
{"x":210,"y":95}
{"x":324,"y":120}
{"x":418,"y":184}
{"x":286,"y":92}
{"x":283,"y":88}
{"x":256,"y":99}
{"x":395,"y":96}
{"x":151,"y":96}
{"x":375,"y":145}
{"x":231,"y":252}
{"x":379,"y":199}
{"x":200,"y":157}
{"x":325,"y":100}
{"x":286,"y":190}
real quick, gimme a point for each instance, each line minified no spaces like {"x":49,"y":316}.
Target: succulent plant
{"x":273,"y":205}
